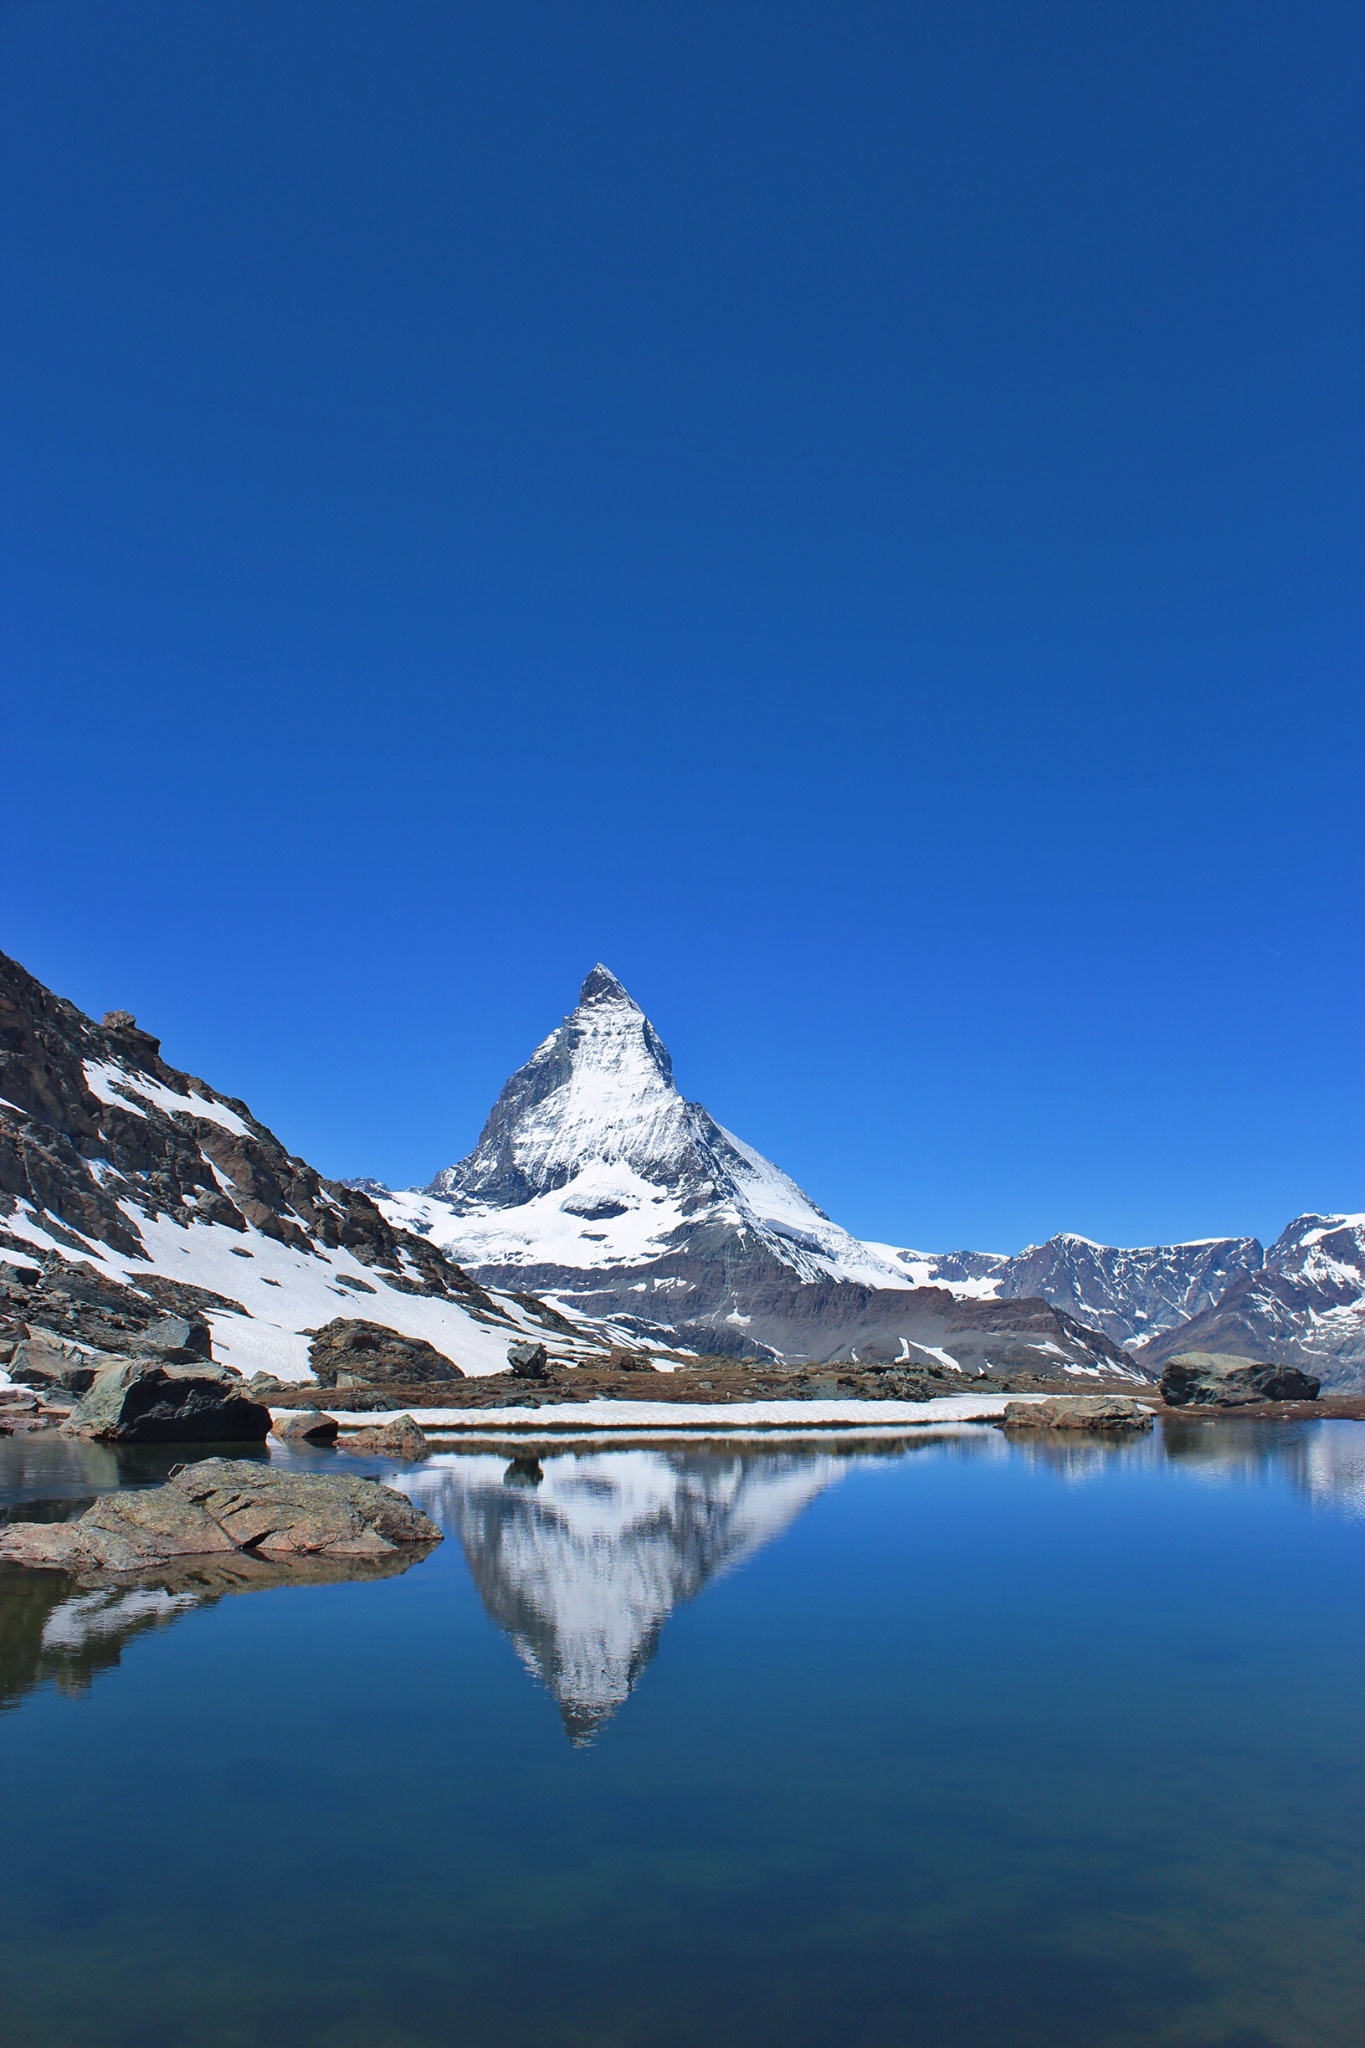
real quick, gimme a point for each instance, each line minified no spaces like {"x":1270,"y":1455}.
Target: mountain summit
{"x":591,"y":1156}
{"x":597,"y":1181}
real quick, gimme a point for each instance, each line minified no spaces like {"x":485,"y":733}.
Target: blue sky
{"x":850,"y":515}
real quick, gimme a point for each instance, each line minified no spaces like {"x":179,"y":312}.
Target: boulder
{"x":1208,"y":1379}
{"x":141,"y":1401}
{"x":400,"y":1438}
{"x":1109,"y":1412}
{"x":528,"y":1361}
{"x":180,"y":1340}
{"x":350,"y":1351}
{"x":304,"y":1426}
{"x":43,"y":1361}
{"x":224,"y":1505}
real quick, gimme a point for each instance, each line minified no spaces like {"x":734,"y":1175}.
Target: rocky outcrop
{"x":219,"y":1506}
{"x":142,"y":1401}
{"x":96,"y":1128}
{"x":1203,"y":1379}
{"x":352,"y":1352}
{"x":1112,"y":1413}
{"x":400,"y":1438}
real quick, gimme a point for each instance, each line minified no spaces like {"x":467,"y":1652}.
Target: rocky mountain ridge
{"x":129,"y":1190}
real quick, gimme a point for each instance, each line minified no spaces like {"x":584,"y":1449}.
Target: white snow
{"x":269,"y":1338}
{"x":723,"y":1416}
{"x":102,"y":1075}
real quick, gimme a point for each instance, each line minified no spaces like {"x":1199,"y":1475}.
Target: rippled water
{"x":947,"y":1741}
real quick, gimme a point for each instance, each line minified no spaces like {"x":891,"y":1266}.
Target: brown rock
{"x":304,"y":1426}
{"x":368,"y":1354}
{"x":224,"y":1505}
{"x":398,"y":1439}
{"x":1110,"y":1412}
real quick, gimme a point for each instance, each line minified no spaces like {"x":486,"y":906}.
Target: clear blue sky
{"x":851,"y":515}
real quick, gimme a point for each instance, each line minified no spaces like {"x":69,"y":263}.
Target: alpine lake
{"x":886,"y":1742}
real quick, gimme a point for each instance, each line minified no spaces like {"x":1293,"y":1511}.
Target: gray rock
{"x":141,"y":1401}
{"x":400,"y":1438}
{"x":304,"y":1426}
{"x":1108,"y":1412}
{"x":178,"y":1339}
{"x":1208,"y":1379}
{"x":219,"y":1506}
{"x":528,"y":1361}
{"x":49,"y":1362}
{"x":350,"y":1350}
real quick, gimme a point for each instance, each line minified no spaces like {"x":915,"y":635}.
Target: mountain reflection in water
{"x":581,"y":1559}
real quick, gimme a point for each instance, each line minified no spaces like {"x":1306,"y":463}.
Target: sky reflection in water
{"x":966,"y":1742}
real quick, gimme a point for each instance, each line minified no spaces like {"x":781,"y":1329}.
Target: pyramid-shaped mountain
{"x":595,"y":1181}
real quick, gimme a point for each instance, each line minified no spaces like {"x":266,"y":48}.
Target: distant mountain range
{"x":597,"y":1184}
{"x":599,"y":1206}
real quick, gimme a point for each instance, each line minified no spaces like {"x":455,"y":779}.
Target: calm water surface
{"x":961,"y":1742}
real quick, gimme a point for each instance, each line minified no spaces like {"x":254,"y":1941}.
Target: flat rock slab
{"x":1110,"y":1412}
{"x":223,"y":1506}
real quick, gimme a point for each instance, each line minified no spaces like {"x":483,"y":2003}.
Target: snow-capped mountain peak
{"x":591,"y":1157}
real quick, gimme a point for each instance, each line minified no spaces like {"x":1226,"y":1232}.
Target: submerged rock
{"x":141,"y":1401}
{"x":1112,"y":1412}
{"x":398,"y":1439}
{"x":224,"y":1505}
{"x":1209,"y":1379}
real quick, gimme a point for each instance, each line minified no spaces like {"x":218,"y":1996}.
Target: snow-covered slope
{"x":128,"y":1188}
{"x":592,"y":1159}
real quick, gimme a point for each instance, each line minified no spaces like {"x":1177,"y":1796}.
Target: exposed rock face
{"x":145,"y":1402}
{"x":48,"y":1362}
{"x":219,"y":1506}
{"x":304,"y":1426}
{"x":353,"y":1352}
{"x":1205,"y":1379}
{"x":1129,"y":1294}
{"x":1305,"y":1307}
{"x":400,"y":1438}
{"x":1109,"y":1412}
{"x":596,"y":1180}
{"x":180,"y":1340}
{"x":100,"y":1138}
